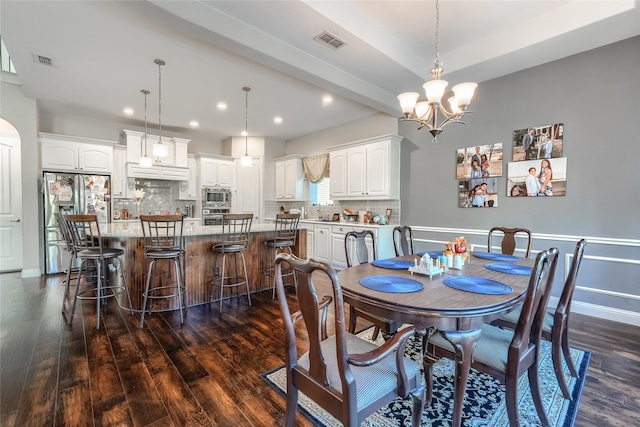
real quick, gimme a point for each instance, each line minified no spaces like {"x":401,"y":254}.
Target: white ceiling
{"x":103,"y":54}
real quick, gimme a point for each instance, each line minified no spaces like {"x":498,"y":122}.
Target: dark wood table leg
{"x":464,"y":344}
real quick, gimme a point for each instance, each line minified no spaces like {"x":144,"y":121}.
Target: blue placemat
{"x":391,"y":284}
{"x":431,"y":254}
{"x":394,"y":264}
{"x":477,"y":285}
{"x":522,"y":270}
{"x":495,"y":257}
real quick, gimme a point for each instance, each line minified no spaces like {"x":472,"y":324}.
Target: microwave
{"x":215,"y":196}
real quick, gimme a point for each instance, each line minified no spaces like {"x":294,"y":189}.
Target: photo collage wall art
{"x":537,"y":167}
{"x":477,"y":169}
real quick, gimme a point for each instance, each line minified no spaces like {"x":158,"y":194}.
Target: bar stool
{"x":163,"y":241}
{"x":284,"y":239}
{"x":64,"y":230}
{"x":235,"y":241}
{"x":85,"y":235}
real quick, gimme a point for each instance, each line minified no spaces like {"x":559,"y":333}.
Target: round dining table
{"x":458,"y":315}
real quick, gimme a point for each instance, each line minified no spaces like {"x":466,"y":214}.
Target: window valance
{"x":316,"y":167}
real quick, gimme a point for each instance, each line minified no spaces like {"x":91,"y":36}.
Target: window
{"x":319,"y":192}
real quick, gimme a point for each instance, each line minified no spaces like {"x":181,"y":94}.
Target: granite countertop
{"x":129,"y":229}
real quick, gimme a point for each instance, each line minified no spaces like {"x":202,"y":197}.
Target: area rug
{"x":484,"y":403}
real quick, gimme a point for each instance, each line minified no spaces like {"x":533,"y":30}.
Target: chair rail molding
{"x":616,"y":258}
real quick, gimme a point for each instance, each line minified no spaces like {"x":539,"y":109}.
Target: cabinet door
{"x":60,"y":155}
{"x":338,"y":254}
{"x":118,"y":177}
{"x":356,"y":171}
{"x":280,"y":180}
{"x":188,"y":189}
{"x":181,"y":159}
{"x":226,"y":173}
{"x":290,"y":179}
{"x":322,"y":238}
{"x":338,"y":183}
{"x":208,"y":172}
{"x":248,"y":197}
{"x":310,"y":243}
{"x":95,"y":158}
{"x":377,"y":182}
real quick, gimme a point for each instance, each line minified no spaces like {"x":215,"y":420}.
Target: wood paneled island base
{"x":199,"y":261}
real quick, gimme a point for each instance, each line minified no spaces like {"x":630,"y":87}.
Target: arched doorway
{"x":10,"y":198}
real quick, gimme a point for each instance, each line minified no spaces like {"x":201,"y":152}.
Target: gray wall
{"x":595,"y":94}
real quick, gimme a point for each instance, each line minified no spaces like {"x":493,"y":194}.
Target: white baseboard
{"x":31,"y":272}
{"x":602,"y":312}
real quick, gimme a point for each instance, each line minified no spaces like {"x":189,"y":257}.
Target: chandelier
{"x":246,"y":159}
{"x":159,"y":149}
{"x":428,"y":112}
{"x":145,"y":161}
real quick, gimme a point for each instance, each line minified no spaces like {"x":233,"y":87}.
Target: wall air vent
{"x":328,"y":39}
{"x":42,"y":60}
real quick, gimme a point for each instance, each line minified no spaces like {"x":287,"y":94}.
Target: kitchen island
{"x":198,"y":260}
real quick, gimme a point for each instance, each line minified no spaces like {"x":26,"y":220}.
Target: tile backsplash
{"x":159,"y":198}
{"x":272,"y":207}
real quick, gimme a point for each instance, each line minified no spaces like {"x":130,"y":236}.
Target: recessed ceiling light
{"x":128,"y":111}
{"x":222,"y":106}
{"x":277,"y":120}
{"x":194,"y":124}
{"x":327,"y":99}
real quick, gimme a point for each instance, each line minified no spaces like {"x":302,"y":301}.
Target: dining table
{"x":456,"y":302}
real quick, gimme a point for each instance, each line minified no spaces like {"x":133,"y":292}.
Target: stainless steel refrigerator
{"x":71,"y":194}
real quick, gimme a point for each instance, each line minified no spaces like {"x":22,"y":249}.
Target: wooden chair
{"x":555,"y":327}
{"x":403,"y":240}
{"x":163,"y":241}
{"x":349,"y":377}
{"x":504,"y":354}
{"x":509,"y":239}
{"x":64,"y":230}
{"x":355,"y":246}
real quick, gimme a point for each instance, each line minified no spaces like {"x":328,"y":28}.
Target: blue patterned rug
{"x":484,"y":403}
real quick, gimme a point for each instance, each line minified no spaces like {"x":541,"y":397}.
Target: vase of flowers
{"x":138,"y":194}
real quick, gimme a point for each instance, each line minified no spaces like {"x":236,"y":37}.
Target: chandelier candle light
{"x":246,"y":159}
{"x":426,"y":112}
{"x":160,"y":150}
{"x":145,"y":161}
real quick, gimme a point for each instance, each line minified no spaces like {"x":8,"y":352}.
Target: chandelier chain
{"x":437,"y":33}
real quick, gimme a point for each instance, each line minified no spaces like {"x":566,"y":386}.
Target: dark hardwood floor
{"x":206,"y":372}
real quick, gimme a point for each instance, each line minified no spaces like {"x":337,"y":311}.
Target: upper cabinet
{"x":119,"y":175}
{"x":217,"y":171}
{"x":68,"y":153}
{"x":289,"y":178}
{"x":189,"y":189}
{"x":367,"y":169}
{"x":176,"y":147}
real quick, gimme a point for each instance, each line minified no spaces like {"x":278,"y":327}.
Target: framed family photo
{"x":480,"y":161}
{"x":537,"y":178}
{"x":538,"y":142}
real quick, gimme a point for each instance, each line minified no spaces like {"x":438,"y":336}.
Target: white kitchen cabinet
{"x":188,"y":190}
{"x":217,"y":172}
{"x":176,"y":148}
{"x":69,"y":153}
{"x":368,"y":169}
{"x":119,"y":175}
{"x":289,"y":178}
{"x":310,"y":242}
{"x":322,"y":247}
{"x":338,"y":255}
{"x":174,"y":174}
{"x":338,"y":182}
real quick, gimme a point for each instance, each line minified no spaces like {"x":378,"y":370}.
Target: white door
{"x":10,"y":200}
{"x":248,"y":197}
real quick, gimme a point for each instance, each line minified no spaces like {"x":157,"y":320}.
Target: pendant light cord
{"x":246,"y":90}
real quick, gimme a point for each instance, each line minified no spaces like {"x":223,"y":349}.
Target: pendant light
{"x":160,"y":150}
{"x":145,"y":161}
{"x":246,"y":159}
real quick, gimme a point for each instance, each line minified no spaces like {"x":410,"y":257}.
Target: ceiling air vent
{"x":42,"y":60}
{"x":328,"y":39}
